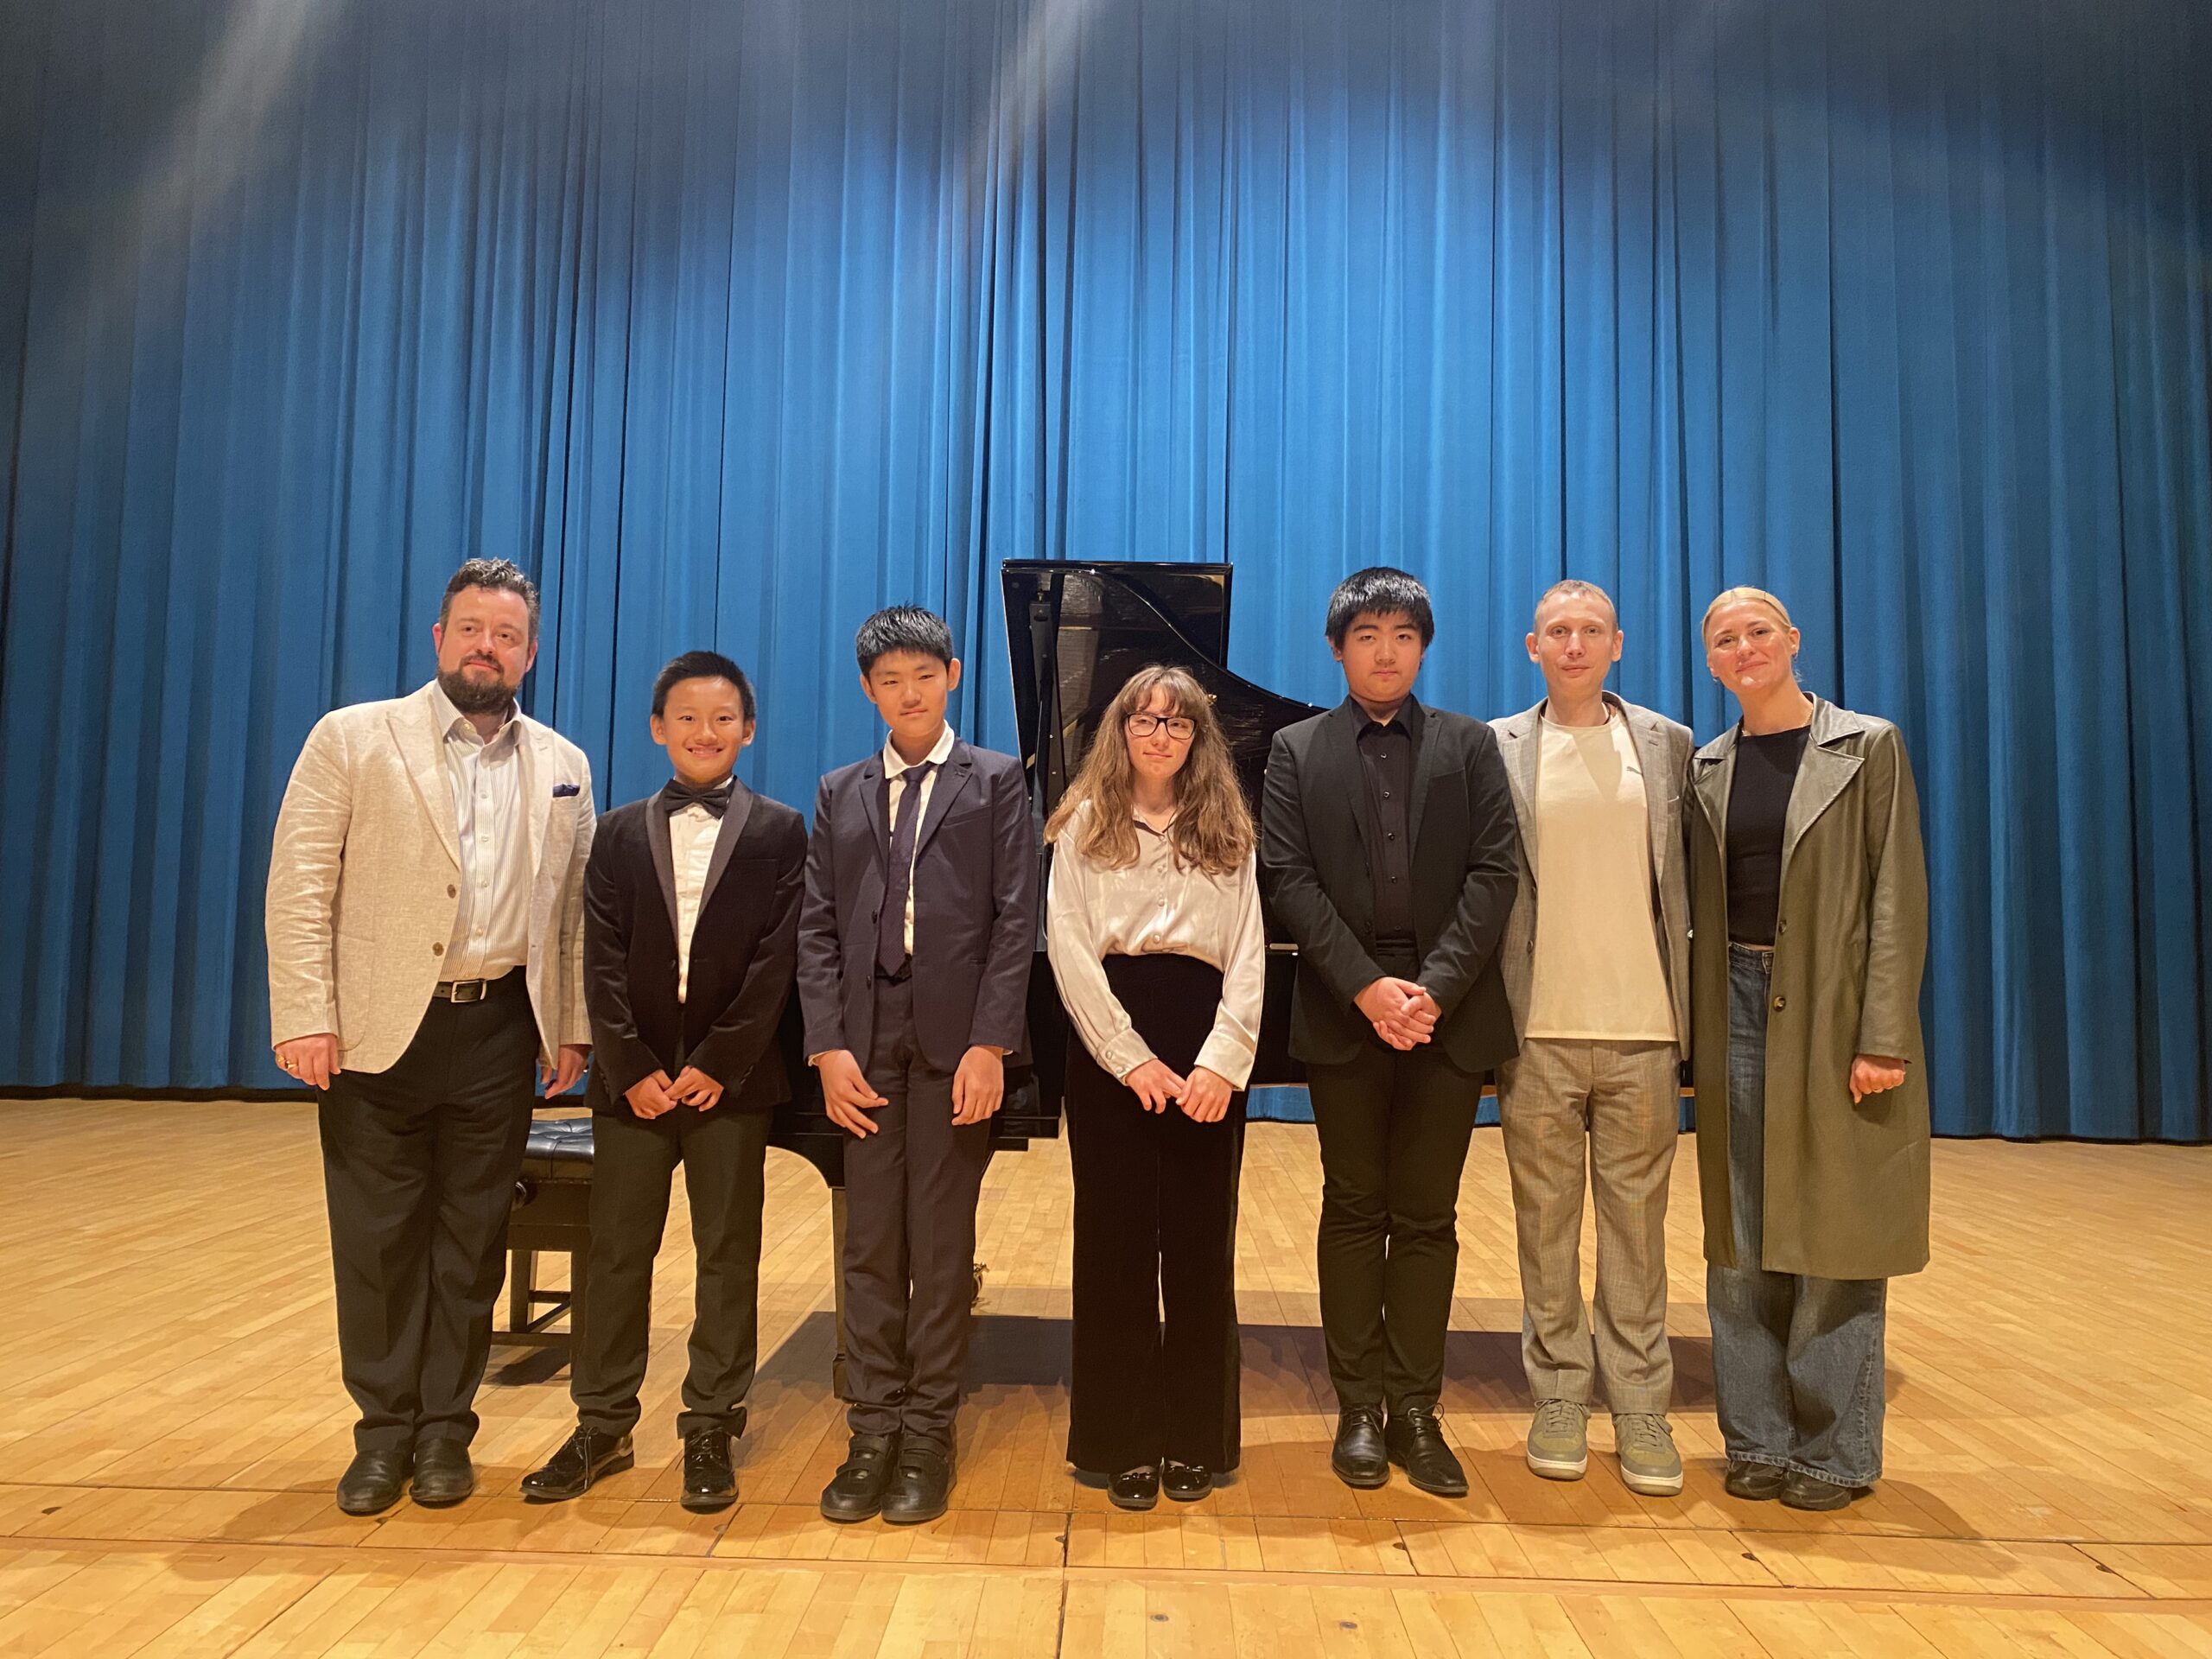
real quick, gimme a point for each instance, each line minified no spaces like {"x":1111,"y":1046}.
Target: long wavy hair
{"x":1212,"y":830}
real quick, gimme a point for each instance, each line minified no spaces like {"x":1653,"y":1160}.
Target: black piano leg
{"x":522,"y":1271}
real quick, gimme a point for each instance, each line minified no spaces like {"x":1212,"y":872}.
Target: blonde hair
{"x":1212,"y":830}
{"x":1743,"y":596}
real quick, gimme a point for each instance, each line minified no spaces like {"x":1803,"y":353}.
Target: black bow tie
{"x":679,"y":795}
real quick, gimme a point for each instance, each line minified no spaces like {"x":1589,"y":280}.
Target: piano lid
{"x":1077,"y":630}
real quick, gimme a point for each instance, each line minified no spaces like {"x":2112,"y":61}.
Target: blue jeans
{"x":1796,"y":1360}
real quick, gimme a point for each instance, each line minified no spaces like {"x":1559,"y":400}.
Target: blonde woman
{"x":1152,"y":923}
{"x":1809,"y":911}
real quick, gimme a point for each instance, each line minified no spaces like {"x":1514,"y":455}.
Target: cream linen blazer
{"x":365,"y":880}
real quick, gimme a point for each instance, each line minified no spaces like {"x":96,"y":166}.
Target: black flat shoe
{"x":710,"y":1483}
{"x":855,"y":1492}
{"x":1359,"y":1456}
{"x":1416,"y":1442}
{"x":1801,"y":1492}
{"x":1186,"y":1483}
{"x":443,"y":1474}
{"x":372,"y":1481}
{"x":583,"y":1458}
{"x":921,"y":1486}
{"x":1134,"y":1489}
{"x":1759,"y":1483}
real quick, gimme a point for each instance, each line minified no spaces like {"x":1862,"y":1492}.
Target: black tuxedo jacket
{"x":1319,"y":878}
{"x":974,"y":908}
{"x":742,"y":951}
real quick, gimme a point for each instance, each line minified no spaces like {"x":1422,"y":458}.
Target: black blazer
{"x":1320,"y":880}
{"x":974,"y":908}
{"x":743,"y":949}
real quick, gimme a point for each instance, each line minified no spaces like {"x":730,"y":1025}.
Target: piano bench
{"x":552,"y":1213}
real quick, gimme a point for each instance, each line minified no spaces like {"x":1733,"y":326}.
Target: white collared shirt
{"x":894,"y":771}
{"x":691,"y":837}
{"x":491,"y":925}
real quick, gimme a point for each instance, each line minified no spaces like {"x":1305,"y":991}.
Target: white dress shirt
{"x":490,"y":927}
{"x":1155,"y":906}
{"x":691,"y":837}
{"x":894,"y":772}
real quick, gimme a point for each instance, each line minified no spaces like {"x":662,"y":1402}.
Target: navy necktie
{"x":891,"y":927}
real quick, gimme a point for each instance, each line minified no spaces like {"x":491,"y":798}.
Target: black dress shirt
{"x":1386,"y":760}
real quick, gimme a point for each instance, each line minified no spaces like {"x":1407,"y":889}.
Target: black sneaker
{"x":855,"y":1492}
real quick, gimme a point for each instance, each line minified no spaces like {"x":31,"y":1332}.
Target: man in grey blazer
{"x":1597,"y":974}
{"x":425,"y":923}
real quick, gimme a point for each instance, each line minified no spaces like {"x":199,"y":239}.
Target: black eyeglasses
{"x":1180,"y":726}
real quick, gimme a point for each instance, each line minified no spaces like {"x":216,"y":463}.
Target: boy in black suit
{"x":691,"y":903}
{"x":920,"y":926}
{"x":1390,"y":845}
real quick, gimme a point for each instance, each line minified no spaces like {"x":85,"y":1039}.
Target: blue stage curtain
{"x":733,"y":319}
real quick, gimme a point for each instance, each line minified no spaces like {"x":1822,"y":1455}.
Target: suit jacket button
{"x":452,"y":892}
{"x":437,"y":950}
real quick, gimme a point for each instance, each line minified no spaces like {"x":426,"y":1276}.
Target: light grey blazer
{"x":1663,"y":746}
{"x":364,"y":880}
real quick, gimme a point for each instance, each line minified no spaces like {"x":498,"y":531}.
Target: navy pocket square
{"x":562,"y":790}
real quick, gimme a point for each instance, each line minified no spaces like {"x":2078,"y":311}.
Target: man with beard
{"x":425,"y":921}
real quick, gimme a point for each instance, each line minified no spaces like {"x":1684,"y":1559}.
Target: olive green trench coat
{"x":1846,"y":1184}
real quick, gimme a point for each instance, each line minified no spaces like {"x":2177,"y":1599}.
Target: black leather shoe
{"x":1359,"y":1456}
{"x":1758,"y":1482}
{"x":1134,"y":1489}
{"x":372,"y":1481}
{"x":1801,"y":1491}
{"x":710,"y":1483}
{"x":855,"y":1492}
{"x":1415,"y":1439}
{"x":921,"y":1486}
{"x":583,"y":1458}
{"x":1186,"y":1483}
{"x":443,"y":1474}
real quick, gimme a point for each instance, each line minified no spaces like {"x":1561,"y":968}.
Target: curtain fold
{"x":731,"y":320}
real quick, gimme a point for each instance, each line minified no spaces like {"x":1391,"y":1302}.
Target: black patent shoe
{"x":709,"y":1483}
{"x":921,"y":1485}
{"x":1759,"y":1483}
{"x":372,"y":1481}
{"x":1186,"y":1483}
{"x":1415,"y":1441}
{"x":1134,"y":1489}
{"x":855,"y":1492}
{"x":443,"y":1474}
{"x":583,"y":1458}
{"x":1803,"y":1491}
{"x":1359,"y":1456}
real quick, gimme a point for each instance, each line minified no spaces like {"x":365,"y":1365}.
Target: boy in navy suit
{"x":691,"y":903}
{"x":919,"y":924}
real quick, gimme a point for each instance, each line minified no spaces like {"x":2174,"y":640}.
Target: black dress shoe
{"x":1134,"y":1489}
{"x":1758,"y":1482}
{"x":855,"y":1492}
{"x":583,"y":1458}
{"x":1802,"y":1491}
{"x":1359,"y":1456}
{"x":443,"y":1474}
{"x":921,"y":1486}
{"x":1186,"y":1483}
{"x":710,"y":1483}
{"x":372,"y":1481}
{"x":1415,"y":1438}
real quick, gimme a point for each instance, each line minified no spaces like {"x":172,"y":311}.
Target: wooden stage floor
{"x":171,"y":1422}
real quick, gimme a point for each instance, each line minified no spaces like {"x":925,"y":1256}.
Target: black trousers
{"x":634,"y":1161}
{"x":1155,"y":1231}
{"x":1394,"y":1129}
{"x":910,"y":1238}
{"x":419,"y":1165}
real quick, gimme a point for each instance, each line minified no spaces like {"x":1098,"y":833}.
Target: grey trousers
{"x":1623,"y":1101}
{"x":910,"y":1238}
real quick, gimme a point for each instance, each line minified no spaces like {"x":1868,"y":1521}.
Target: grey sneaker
{"x":1649,"y":1464}
{"x":1559,"y":1443}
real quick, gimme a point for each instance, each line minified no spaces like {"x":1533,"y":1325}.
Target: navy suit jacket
{"x":974,"y":908}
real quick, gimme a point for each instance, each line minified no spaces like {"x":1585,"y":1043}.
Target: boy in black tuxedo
{"x":920,"y":926}
{"x":692,"y":902}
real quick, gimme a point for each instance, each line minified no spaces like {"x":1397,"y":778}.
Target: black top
{"x":1386,"y":758}
{"x":1758,"y":802}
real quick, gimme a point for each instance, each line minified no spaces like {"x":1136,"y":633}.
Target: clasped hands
{"x":1204,"y":1095}
{"x":651,"y":1097}
{"x":978,"y":1089}
{"x":1403,"y":1015}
